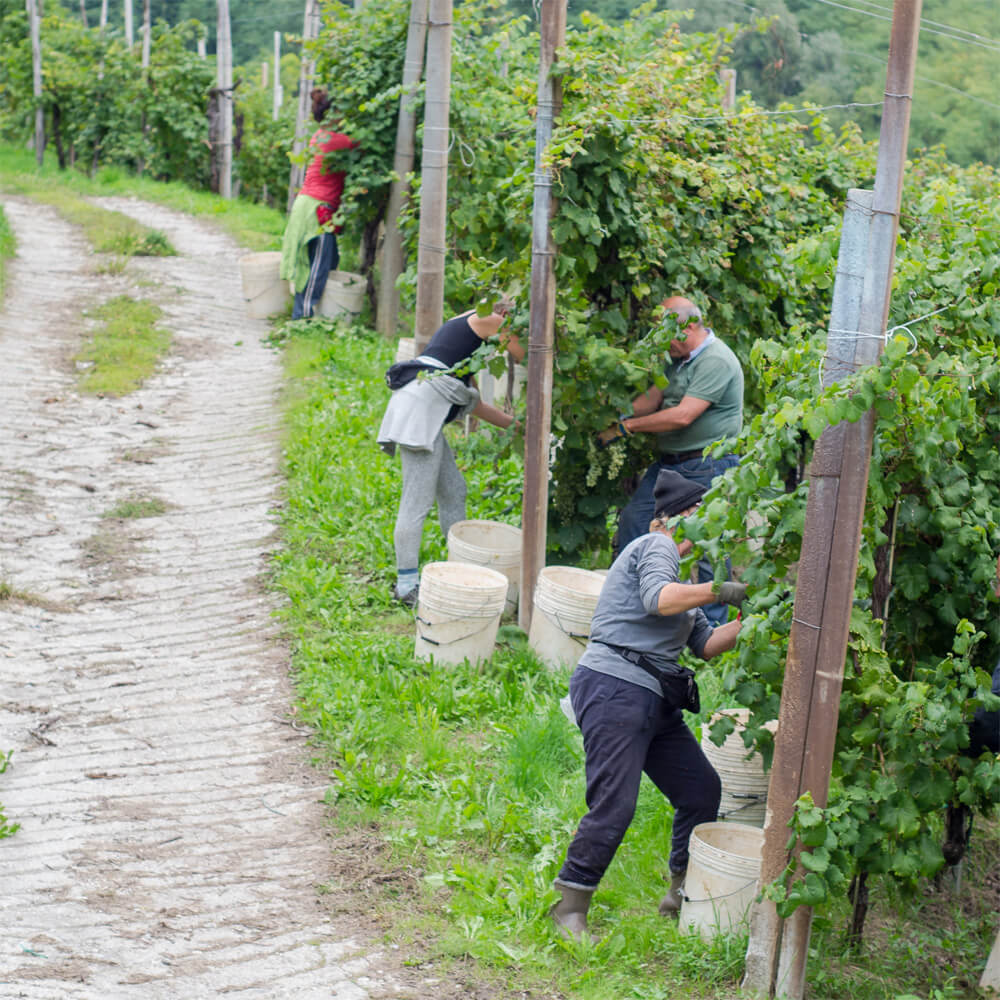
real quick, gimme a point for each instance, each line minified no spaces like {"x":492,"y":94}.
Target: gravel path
{"x":172,"y":838}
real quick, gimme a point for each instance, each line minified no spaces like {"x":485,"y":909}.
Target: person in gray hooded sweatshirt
{"x":428,"y":393}
{"x":631,"y":721}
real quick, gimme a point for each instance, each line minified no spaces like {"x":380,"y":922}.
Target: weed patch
{"x":135,"y":507}
{"x":7,"y":828}
{"x":107,"y":549}
{"x":7,"y":248}
{"x":8,"y":592}
{"x":124,"y":350}
{"x":107,"y":231}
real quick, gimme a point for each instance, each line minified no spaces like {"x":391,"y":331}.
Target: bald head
{"x":689,"y":316}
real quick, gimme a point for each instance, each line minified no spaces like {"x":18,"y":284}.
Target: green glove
{"x":732,"y":593}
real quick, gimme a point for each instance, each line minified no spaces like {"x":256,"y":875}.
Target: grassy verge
{"x":8,"y":247}
{"x":256,"y":227}
{"x":124,"y":350}
{"x":107,"y":231}
{"x":467,"y":783}
{"x":7,"y":828}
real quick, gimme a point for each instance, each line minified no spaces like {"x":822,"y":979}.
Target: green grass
{"x":8,"y":247}
{"x":136,"y":507}
{"x":7,"y":829}
{"x":256,"y":227}
{"x":107,"y":231}
{"x":470,"y":779}
{"x":124,"y":350}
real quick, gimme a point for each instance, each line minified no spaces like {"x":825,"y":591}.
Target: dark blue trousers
{"x":627,"y":730}
{"x":324,"y":256}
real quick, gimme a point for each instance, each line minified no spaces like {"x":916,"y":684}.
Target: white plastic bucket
{"x":344,"y":294}
{"x":458,"y":612}
{"x":744,"y":781}
{"x":722,"y":875}
{"x":406,"y":349}
{"x":493,"y":389}
{"x":565,"y":599}
{"x":263,"y":290}
{"x":489,"y":543}
{"x":520,"y":378}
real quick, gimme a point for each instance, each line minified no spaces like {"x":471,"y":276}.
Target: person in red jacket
{"x":309,"y":251}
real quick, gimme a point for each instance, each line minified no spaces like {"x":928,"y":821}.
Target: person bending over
{"x":630,"y":720}
{"x":428,"y":393}
{"x":309,"y":250}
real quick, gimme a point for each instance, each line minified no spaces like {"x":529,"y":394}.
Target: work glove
{"x":613,"y":433}
{"x":732,"y":593}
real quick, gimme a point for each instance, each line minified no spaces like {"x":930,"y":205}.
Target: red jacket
{"x":320,"y":184}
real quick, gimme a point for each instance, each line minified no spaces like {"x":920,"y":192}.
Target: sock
{"x":406,"y":581}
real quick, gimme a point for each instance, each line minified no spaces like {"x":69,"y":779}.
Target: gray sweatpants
{"x":428,"y":476}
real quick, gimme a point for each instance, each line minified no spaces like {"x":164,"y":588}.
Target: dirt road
{"x":171,"y":840}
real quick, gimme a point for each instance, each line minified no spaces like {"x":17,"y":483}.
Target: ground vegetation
{"x":463,"y":785}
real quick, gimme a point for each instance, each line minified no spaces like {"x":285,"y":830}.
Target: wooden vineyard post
{"x":810,"y":698}
{"x":431,"y":246}
{"x":406,"y":126}
{"x":541,"y":323}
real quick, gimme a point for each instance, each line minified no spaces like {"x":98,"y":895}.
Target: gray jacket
{"x":417,"y":412}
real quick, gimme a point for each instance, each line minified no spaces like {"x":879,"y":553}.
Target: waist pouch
{"x":677,"y":684}
{"x":404,"y":372}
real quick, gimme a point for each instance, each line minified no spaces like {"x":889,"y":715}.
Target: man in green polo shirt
{"x":702,"y":403}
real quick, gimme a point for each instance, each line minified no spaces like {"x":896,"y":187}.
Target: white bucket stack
{"x":458,"y":612}
{"x":493,"y":544}
{"x":565,"y":600}
{"x":344,"y":294}
{"x":721,"y":881}
{"x":744,"y":781}
{"x":263,"y":290}
{"x":406,"y":349}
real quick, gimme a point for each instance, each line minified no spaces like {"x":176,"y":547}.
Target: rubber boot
{"x":570,"y":913}
{"x":670,"y":905}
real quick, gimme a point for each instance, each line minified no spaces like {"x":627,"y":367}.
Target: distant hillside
{"x":824,"y":51}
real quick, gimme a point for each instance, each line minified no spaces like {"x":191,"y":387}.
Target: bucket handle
{"x":725,"y":895}
{"x":754,"y":799}
{"x":450,"y":642}
{"x":576,"y":636}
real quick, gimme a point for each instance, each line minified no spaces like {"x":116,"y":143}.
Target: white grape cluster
{"x":593,"y":463}
{"x":616,"y":453}
{"x":607,"y":462}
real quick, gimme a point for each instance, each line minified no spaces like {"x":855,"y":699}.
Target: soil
{"x":173,"y":841}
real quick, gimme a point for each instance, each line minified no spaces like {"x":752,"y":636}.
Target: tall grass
{"x":472,"y":779}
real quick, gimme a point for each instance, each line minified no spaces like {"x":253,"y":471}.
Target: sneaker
{"x":409,"y":599}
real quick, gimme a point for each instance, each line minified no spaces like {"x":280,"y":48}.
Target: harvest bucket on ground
{"x":263,"y":290}
{"x":489,"y":543}
{"x":493,"y":389}
{"x":744,"y":781}
{"x":344,"y":294}
{"x":458,"y":611}
{"x":406,"y":349}
{"x":721,"y":881}
{"x":565,"y":599}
